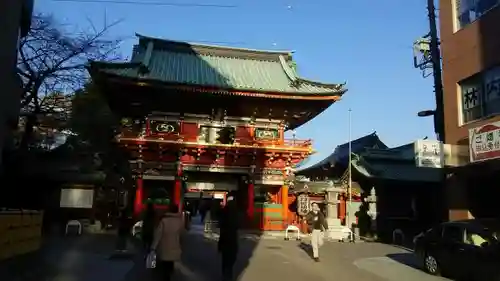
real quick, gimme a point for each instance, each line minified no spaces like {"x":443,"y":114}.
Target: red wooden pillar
{"x":139,"y":194}
{"x":177,"y":193}
{"x":177,"y":188}
{"x":250,"y":196}
{"x":284,"y":203}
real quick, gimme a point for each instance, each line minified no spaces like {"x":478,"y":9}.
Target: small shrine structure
{"x":399,"y":199}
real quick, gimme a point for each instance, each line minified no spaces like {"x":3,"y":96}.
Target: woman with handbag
{"x":167,"y":242}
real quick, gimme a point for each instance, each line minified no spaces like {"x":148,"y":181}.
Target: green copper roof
{"x":213,"y":66}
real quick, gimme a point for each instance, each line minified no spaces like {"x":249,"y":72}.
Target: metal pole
{"x":350,"y":176}
{"x":436,"y":71}
{"x":438,"y":91}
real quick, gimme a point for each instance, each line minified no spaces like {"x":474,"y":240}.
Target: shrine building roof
{"x":340,"y":156}
{"x":217,"y":67}
{"x":393,"y":164}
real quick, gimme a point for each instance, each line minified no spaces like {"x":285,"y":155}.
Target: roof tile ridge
{"x":284,"y":52}
{"x":121,"y":64}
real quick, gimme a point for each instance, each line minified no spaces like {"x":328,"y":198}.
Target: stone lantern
{"x":334,"y":224}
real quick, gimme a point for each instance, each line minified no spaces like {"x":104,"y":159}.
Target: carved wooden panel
{"x":190,"y":131}
{"x":158,"y":127}
{"x":243,"y":135}
{"x":266,"y":134}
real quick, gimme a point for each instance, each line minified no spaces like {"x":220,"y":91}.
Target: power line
{"x":184,"y":5}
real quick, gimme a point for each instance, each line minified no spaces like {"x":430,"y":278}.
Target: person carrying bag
{"x":166,"y":247}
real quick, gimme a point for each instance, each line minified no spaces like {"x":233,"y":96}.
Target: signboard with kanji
{"x":303,"y":204}
{"x":484,"y":142}
{"x":429,"y":153}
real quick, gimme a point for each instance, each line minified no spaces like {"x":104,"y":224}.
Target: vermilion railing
{"x":259,"y":143}
{"x":285,"y":142}
{"x":297,"y":143}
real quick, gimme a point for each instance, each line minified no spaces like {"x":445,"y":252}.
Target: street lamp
{"x":426,"y":113}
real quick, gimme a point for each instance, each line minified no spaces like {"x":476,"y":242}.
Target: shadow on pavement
{"x":408,"y":259}
{"x":82,"y":258}
{"x":306,"y":248}
{"x":201,"y":259}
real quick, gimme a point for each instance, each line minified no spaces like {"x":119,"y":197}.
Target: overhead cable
{"x":171,"y":4}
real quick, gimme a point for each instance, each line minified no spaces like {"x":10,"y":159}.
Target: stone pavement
{"x":83,"y":258}
{"x":271,"y":259}
{"x":89,"y":258}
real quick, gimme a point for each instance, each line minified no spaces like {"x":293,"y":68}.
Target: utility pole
{"x":427,"y":55}
{"x":435,"y":54}
{"x":435,"y":58}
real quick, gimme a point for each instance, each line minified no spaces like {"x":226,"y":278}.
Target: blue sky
{"x":366,"y":43}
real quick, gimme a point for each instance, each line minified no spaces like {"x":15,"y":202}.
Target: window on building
{"x":468,"y":11}
{"x":480,"y":95}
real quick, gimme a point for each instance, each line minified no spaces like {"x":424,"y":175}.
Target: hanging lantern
{"x":211,"y":116}
{"x":224,"y":116}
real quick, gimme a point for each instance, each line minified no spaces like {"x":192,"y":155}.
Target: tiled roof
{"x":341,"y":153}
{"x":400,"y":166}
{"x":214,"y":66}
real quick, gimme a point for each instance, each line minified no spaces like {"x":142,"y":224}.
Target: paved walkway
{"x":89,"y":258}
{"x":276,"y":259}
{"x":83,"y":258}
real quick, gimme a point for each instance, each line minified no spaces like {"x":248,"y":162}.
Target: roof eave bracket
{"x":144,"y":68}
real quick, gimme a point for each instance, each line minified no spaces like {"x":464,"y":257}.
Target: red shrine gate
{"x":214,"y":115}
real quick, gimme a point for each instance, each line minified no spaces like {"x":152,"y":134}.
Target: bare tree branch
{"x":52,"y":62}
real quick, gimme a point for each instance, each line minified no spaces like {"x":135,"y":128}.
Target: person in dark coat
{"x":317,"y":225}
{"x":167,"y":242}
{"x":228,"y":239}
{"x":148,"y":226}
{"x":123,"y":231}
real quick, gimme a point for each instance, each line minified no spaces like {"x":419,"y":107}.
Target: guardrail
{"x":20,"y":232}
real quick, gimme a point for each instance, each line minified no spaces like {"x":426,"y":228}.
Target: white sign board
{"x":200,"y":186}
{"x":484,"y":142}
{"x":77,"y":198}
{"x":218,"y":195}
{"x":429,"y":154}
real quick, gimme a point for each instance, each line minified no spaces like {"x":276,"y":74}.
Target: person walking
{"x":167,"y":242}
{"x":317,"y":224}
{"x":148,"y":226}
{"x":228,"y":238}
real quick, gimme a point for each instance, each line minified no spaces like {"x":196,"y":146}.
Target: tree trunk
{"x":28,"y":132}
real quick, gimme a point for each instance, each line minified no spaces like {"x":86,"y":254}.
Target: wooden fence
{"x":20,"y":232}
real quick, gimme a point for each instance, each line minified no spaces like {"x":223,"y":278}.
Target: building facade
{"x":15,"y":20}
{"x":471,"y":79}
{"x":212,"y":119}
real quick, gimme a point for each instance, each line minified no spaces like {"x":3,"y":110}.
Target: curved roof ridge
{"x":290,"y":72}
{"x":404,"y":146}
{"x":295,"y":78}
{"x":250,"y":50}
